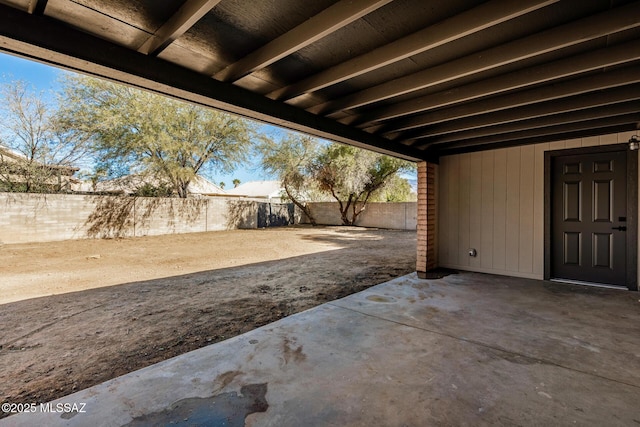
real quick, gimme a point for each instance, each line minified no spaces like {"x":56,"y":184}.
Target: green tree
{"x":396,"y":190}
{"x":291,"y":159}
{"x":352,"y":176}
{"x":138,"y":132}
{"x":236,"y":182}
{"x":222,"y":184}
{"x":36,"y":154}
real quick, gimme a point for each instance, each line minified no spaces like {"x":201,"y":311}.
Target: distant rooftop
{"x":262,"y":189}
{"x":11,"y":156}
{"x":130,"y":183}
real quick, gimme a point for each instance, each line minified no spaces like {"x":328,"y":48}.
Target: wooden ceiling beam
{"x":185,"y":17}
{"x":50,"y":41}
{"x":533,"y":111}
{"x":326,"y":22}
{"x":610,"y":79}
{"x":580,"y":116}
{"x":566,"y":67}
{"x":454,"y":28}
{"x":552,"y":133}
{"x":592,"y":27}
{"x":37,"y":7}
{"x":583,"y":133}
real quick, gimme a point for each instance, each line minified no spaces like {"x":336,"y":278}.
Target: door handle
{"x":621,"y":228}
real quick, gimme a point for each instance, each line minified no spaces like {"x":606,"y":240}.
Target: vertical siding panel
{"x":590,"y":141}
{"x":475,"y":206}
{"x":573,"y":143}
{"x":624,"y":137}
{"x":556,"y":145}
{"x":486,"y":233}
{"x":513,"y":209}
{"x":454,"y":190}
{"x":538,"y":210}
{"x":499,"y":209}
{"x":612,"y":138}
{"x":463,"y":206}
{"x":443,"y":211}
{"x":527,"y":164}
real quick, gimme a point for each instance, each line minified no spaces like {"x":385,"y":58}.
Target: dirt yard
{"x":76,"y":313}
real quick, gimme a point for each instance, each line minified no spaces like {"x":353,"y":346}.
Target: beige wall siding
{"x":493,"y":201}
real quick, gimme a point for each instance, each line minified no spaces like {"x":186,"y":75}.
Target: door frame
{"x":632,"y":206}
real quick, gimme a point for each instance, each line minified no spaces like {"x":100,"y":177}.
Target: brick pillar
{"x":426,"y":255}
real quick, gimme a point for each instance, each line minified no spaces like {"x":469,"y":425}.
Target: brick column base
{"x":427,"y":253}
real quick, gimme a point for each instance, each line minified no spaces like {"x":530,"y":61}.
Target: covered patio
{"x":467,"y":349}
{"x":491,"y":98}
{"x":520,"y":117}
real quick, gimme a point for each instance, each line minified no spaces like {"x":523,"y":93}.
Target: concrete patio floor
{"x":468,"y":349}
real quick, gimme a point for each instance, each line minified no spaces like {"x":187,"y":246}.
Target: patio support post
{"x":426,"y":245}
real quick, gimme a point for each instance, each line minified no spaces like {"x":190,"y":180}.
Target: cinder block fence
{"x":26,"y":218}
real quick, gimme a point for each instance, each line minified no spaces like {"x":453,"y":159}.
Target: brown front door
{"x":588,"y":224}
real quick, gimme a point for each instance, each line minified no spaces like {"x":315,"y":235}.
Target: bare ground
{"x":76,"y":313}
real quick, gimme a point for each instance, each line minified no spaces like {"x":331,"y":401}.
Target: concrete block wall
{"x":155,"y":217}
{"x":44,"y":217}
{"x":396,"y":216}
{"x":26,"y":218}
{"x":237,"y":213}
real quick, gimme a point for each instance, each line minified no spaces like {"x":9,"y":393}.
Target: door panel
{"x":589,"y":205}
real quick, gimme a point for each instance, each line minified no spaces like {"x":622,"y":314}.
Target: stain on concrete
{"x":429,"y":312}
{"x":437,"y":273}
{"x":225,"y":409}
{"x":379,"y":298}
{"x":289,"y":353}
{"x":69,"y":415}
{"x":225,"y":379}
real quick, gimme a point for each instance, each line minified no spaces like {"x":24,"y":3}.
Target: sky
{"x":45,"y":78}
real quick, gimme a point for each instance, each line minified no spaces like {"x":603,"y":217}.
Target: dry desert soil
{"x":76,"y":313}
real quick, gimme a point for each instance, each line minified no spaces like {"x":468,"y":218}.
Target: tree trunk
{"x":357,"y":212}
{"x":344,"y":211}
{"x":183,"y":189}
{"x":305,"y":208}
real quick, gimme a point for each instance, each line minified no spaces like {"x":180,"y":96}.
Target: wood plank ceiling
{"x":415,"y":78}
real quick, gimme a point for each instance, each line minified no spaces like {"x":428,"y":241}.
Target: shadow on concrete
{"x":469,"y":349}
{"x":52,"y":346}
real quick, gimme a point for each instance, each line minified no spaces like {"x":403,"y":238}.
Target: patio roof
{"x":414,"y":78}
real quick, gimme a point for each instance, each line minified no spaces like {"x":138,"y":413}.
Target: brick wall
{"x":427,"y":257}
